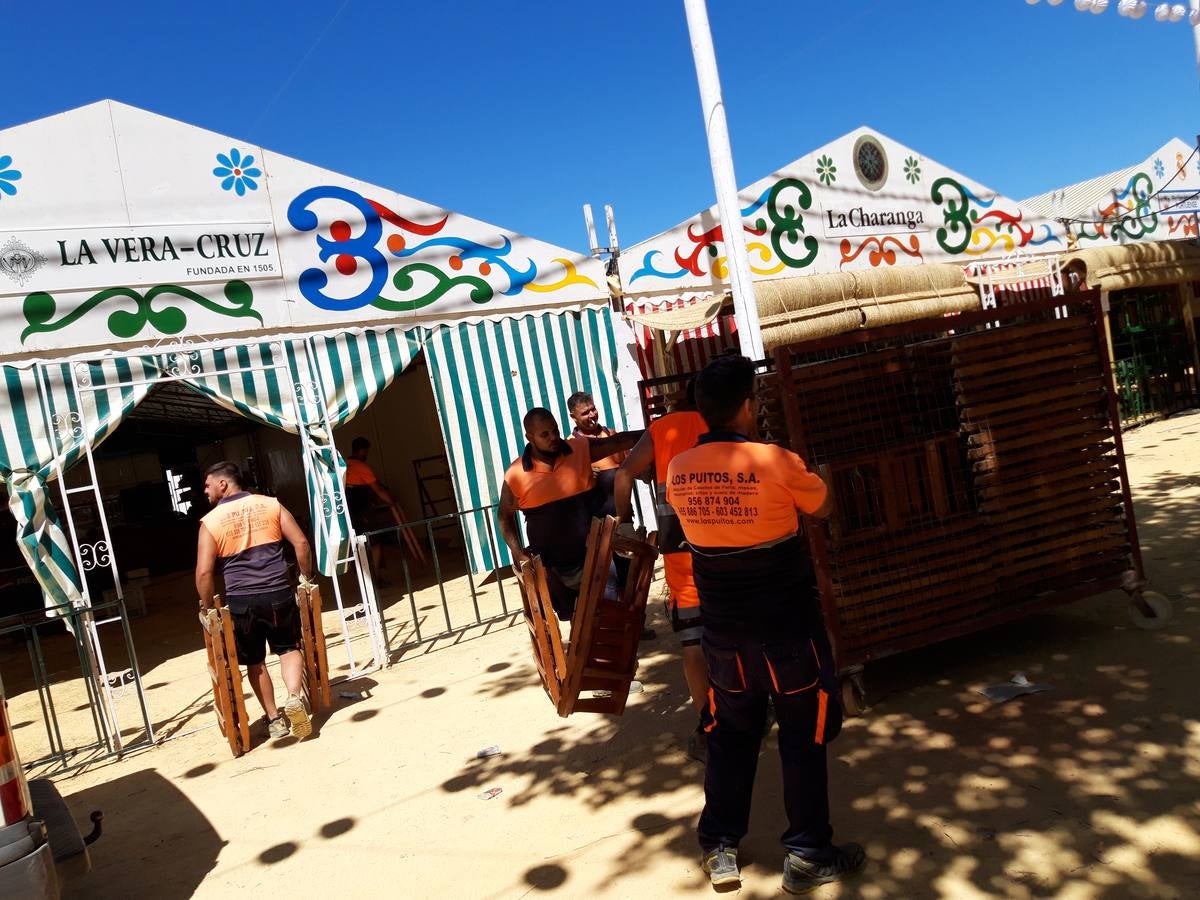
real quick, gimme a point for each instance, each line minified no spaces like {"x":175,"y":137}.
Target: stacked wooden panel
{"x":602,"y":653}
{"x":904,"y":544}
{"x":316,"y":663}
{"x":1035,"y":409}
{"x":974,"y":473}
{"x":226,"y":676}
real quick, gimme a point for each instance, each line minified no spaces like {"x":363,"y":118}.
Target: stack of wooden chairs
{"x":316,"y":663}
{"x":229,"y":702}
{"x":226,"y":675}
{"x":601,"y":655}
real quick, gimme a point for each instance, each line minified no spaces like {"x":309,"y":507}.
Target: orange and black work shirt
{"x":359,"y":494}
{"x":557,"y":501}
{"x":609,"y":462}
{"x":671,"y":435}
{"x":249,"y":538}
{"x":739,"y":503}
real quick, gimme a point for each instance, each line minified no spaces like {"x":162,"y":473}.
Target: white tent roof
{"x":1082,"y":199}
{"x":120,"y":226}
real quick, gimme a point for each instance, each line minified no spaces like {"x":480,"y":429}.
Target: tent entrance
{"x":267,"y":389}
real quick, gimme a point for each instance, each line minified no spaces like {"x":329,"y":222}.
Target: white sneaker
{"x":298,"y":716}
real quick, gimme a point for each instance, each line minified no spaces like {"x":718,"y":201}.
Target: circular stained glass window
{"x":870,"y":162}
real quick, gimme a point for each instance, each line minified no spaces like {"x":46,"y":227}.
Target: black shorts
{"x":271,"y":618}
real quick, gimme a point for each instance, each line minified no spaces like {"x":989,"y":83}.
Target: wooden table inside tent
{"x":602,"y":652}
{"x":226,"y":674}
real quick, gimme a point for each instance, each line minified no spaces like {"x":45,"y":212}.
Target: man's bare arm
{"x":206,"y":561}
{"x":602,"y":447}
{"x":639,"y":459}
{"x":385,"y":495}
{"x":296,"y":537}
{"x":508,"y":525}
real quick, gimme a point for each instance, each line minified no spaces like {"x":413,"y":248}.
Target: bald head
{"x":541,"y":430}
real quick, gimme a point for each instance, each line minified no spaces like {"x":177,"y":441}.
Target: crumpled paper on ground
{"x":1018,"y":685}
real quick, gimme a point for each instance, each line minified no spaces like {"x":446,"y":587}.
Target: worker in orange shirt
{"x":362,"y":489}
{"x":666,"y":437}
{"x":582,"y":409}
{"x":552,"y":485}
{"x":739,"y":503}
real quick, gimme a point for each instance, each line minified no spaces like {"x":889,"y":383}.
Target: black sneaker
{"x":802,"y":875}
{"x":721,"y":866}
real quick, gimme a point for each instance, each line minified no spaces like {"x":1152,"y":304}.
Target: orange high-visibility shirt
{"x":556,"y":499}
{"x":249,"y":537}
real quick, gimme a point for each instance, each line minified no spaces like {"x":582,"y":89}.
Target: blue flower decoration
{"x":237,"y":172}
{"x":1159,"y":169}
{"x":8,"y":176}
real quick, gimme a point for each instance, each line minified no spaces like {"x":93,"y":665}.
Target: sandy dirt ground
{"x":1089,"y":790}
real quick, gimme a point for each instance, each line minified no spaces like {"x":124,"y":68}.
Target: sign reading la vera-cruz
{"x":90,"y":258}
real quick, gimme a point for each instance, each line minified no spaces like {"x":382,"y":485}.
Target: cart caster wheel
{"x":854,"y":698}
{"x":1149,"y":610}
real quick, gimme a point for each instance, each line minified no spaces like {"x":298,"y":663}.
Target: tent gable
{"x":863,"y":201}
{"x":123,"y":227}
{"x":1153,"y":200}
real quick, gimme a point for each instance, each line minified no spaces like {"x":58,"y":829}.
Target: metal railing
{"x":28,"y":628}
{"x":446,"y":542}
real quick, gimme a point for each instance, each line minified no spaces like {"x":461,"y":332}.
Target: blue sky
{"x":518,"y":112}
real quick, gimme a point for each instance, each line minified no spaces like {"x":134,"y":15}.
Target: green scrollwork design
{"x":787,"y":223}
{"x":481,"y":291}
{"x":40,"y":308}
{"x":1141,"y":220}
{"x":957,"y":215}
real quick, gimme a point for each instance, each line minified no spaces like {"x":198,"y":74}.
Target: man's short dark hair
{"x":722,"y":387}
{"x":578,"y":399}
{"x":537,"y":414}
{"x":227,"y":470}
{"x":359,"y":443}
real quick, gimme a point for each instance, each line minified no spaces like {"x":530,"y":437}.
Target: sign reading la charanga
{"x":89,"y":258}
{"x":861,"y":220}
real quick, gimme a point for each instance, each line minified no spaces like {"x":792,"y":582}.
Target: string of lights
{"x":1133,"y":9}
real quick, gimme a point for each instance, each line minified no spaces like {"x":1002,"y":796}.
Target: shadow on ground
{"x":1087,"y":790}
{"x":145,"y":818}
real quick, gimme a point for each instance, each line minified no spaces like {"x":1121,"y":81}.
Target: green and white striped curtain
{"x":106,"y":390}
{"x":348,"y":370}
{"x":487,"y":375}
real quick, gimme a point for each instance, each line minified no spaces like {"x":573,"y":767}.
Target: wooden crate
{"x":226,"y":676}
{"x":602,"y":652}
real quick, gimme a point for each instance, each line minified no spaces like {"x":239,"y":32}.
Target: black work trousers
{"x":796,"y":672}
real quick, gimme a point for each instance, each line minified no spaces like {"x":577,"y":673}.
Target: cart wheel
{"x":854,"y":697}
{"x":1149,"y":610}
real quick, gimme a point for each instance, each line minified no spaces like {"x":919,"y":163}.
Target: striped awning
{"x":487,"y":375}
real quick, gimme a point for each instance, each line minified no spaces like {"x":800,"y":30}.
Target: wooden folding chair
{"x":601,"y":655}
{"x":226,"y":675}
{"x":316,"y":664}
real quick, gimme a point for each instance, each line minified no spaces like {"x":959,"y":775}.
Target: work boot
{"x":721,"y":866}
{"x":278,"y":727}
{"x":802,"y":875}
{"x":298,"y":716}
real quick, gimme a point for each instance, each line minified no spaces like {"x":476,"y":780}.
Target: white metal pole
{"x":721,"y":156}
{"x":1196,"y":29}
